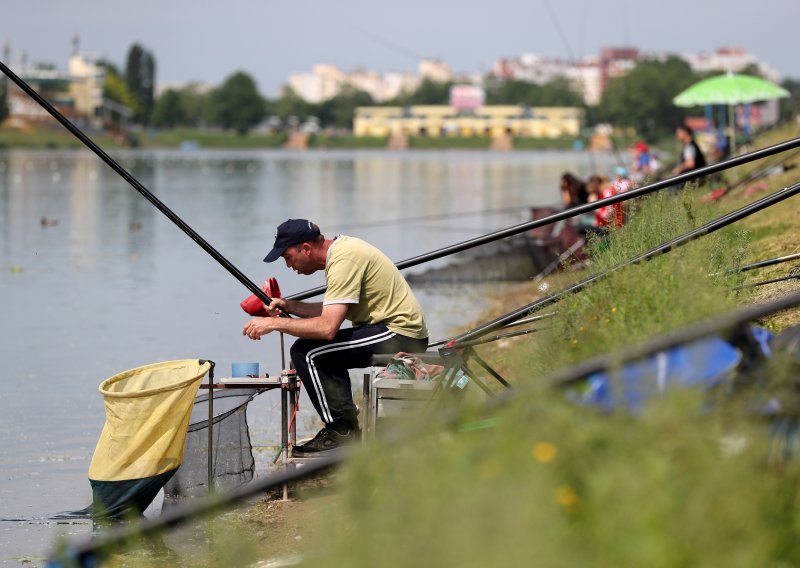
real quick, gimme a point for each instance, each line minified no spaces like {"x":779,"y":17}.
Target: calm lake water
{"x":94,"y":280}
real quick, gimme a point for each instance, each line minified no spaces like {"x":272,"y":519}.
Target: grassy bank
{"x":51,"y":138}
{"x":695,"y":478}
{"x":56,"y":137}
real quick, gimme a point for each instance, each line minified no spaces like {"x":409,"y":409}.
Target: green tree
{"x":511,"y":92}
{"x":140,"y":75}
{"x":290,"y":104}
{"x":194,"y":103}
{"x":643,"y":98}
{"x":339,"y":111}
{"x":3,"y":102}
{"x":116,"y":89}
{"x":428,"y":93}
{"x":168,"y":111}
{"x":558,"y":92}
{"x":236,"y":104}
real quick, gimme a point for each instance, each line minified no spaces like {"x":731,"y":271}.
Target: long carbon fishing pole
{"x":89,"y":143}
{"x":580,"y":210}
{"x":433,"y":217}
{"x":90,"y":552}
{"x":745,"y":268}
{"x":760,"y":172}
{"x":679,"y":241}
{"x":763,"y":263}
{"x":765,"y":282}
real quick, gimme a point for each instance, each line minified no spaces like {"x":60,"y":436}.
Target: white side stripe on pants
{"x":329,"y":348}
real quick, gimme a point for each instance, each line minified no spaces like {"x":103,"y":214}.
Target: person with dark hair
{"x":610,"y":215}
{"x":692,"y":157}
{"x":573,"y":191}
{"x":363,"y":286}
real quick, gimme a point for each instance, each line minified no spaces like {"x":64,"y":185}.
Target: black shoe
{"x":326,"y":440}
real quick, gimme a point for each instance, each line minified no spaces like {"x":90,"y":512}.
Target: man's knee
{"x":299,"y":350}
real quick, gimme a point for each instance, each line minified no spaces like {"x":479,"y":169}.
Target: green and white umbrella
{"x":729,"y":89}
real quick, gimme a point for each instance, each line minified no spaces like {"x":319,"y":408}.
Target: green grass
{"x":430,"y":143}
{"x":544,"y":143}
{"x":56,"y":137}
{"x":325,"y":141}
{"x":211,"y":139}
{"x":50,"y":138}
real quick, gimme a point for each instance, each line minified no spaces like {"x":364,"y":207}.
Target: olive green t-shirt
{"x":358,"y":274}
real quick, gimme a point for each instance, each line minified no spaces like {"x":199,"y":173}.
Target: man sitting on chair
{"x":363,"y":286}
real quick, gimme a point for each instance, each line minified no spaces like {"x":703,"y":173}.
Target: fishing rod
{"x":580,"y":209}
{"x":92,"y":551}
{"x":758,"y":173}
{"x":765,"y":282}
{"x":753,"y":266}
{"x":559,"y":260}
{"x":677,"y":242}
{"x":114,"y":165}
{"x":517,"y":333}
{"x":517,"y":323}
{"x":745,"y":268}
{"x":761,"y":264}
{"x":435,"y":217}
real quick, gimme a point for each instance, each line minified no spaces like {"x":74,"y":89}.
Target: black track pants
{"x":322,"y":366}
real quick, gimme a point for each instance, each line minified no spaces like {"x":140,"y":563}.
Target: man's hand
{"x":275,"y":306}
{"x":258,"y":327}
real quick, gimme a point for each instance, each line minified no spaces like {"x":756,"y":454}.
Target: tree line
{"x":641,"y":99}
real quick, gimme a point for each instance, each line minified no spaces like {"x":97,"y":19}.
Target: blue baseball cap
{"x":291,"y":232}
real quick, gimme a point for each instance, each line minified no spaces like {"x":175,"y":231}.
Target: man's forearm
{"x":308,"y":328}
{"x":304,"y":309}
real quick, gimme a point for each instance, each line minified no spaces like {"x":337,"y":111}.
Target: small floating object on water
{"x":134,"y":226}
{"x":47,"y":222}
{"x":16,"y":269}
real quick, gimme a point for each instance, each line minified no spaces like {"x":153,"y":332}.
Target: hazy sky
{"x":194,"y":40}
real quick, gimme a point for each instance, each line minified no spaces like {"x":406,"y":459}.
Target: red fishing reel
{"x":253,"y":304}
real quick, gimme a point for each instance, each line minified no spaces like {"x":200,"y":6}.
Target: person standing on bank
{"x":363,"y":286}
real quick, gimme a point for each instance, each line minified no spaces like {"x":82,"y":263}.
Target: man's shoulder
{"x":346,"y":246}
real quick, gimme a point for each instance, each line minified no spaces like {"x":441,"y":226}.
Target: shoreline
{"x":54,"y":137}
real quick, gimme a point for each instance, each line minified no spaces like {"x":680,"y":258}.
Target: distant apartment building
{"x":446,"y":120}
{"x":590,"y":75}
{"x":729,"y":59}
{"x":327,"y":81}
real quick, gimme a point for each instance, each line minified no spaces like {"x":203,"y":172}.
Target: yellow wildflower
{"x":567,"y":498}
{"x":544,"y":452}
